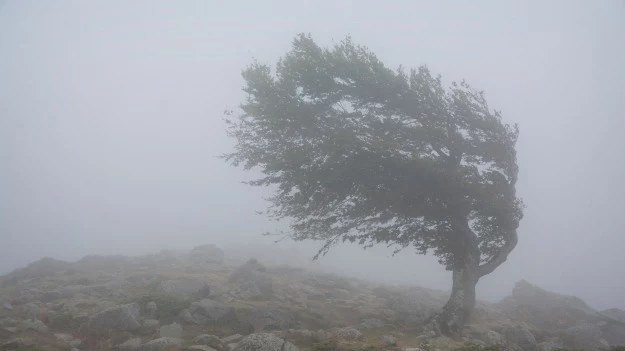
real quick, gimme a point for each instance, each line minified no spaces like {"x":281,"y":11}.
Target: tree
{"x":358,"y":152}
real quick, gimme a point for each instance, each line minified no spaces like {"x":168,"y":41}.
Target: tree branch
{"x":500,"y":258}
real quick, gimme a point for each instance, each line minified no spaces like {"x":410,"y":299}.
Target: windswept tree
{"x":361,"y":153}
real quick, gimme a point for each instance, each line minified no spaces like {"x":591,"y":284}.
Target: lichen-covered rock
{"x":122,"y":317}
{"x":200,"y":348}
{"x":129,"y":345}
{"x":173,"y":330}
{"x":209,"y":312}
{"x":209,"y":340}
{"x":232,"y":338}
{"x":264,"y":342}
{"x":160,"y":344}
{"x":521,"y":336}
{"x":251,"y":280}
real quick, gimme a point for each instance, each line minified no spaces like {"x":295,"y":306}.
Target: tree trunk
{"x":458,"y":309}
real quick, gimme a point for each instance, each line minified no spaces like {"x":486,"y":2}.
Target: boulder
{"x":521,"y":336}
{"x":614,"y":314}
{"x":160,"y":344}
{"x":122,"y":317}
{"x":184,"y":287}
{"x":173,"y":330}
{"x":209,"y":312}
{"x":129,"y":345}
{"x":209,"y":340}
{"x":232,"y":339}
{"x":200,"y":348}
{"x":151,"y":309}
{"x":252,"y":280}
{"x":271,"y":318}
{"x":264,"y":342}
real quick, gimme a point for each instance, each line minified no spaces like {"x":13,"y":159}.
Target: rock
{"x":252,"y":280}
{"x":183,"y":287}
{"x":271,"y":318}
{"x":206,"y":254}
{"x":200,"y":348}
{"x":160,"y":344}
{"x":492,"y":338}
{"x":173,"y":330}
{"x":614,"y":314}
{"x":543,"y":309}
{"x":122,"y":317}
{"x":33,"y":324}
{"x":232,"y":339}
{"x":388,"y":340}
{"x":209,"y":340}
{"x":130,"y":344}
{"x":264,"y":342}
{"x":151,"y":309}
{"x":150,"y":325}
{"x":347,"y":333}
{"x":68,"y":339}
{"x":521,"y":336}
{"x":303,"y":335}
{"x":7,"y":306}
{"x":209,"y":312}
{"x":587,"y":336}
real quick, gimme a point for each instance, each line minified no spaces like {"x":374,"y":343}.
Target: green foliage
{"x":361,"y":153}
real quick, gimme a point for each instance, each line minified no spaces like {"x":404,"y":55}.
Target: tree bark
{"x":466,"y":273}
{"x":458,"y":309}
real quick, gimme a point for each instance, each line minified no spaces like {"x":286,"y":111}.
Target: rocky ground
{"x":201,"y":301}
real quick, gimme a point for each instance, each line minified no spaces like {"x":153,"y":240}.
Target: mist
{"x":111,"y":127}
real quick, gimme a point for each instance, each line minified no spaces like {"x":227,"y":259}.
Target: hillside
{"x":202,"y":300}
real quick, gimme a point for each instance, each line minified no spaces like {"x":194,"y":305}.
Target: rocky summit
{"x":203,"y":301}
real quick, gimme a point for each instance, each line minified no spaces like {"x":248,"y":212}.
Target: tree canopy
{"x":362,"y":153}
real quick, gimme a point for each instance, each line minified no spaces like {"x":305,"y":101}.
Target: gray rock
{"x":585,"y":336}
{"x":252,"y":280}
{"x":68,"y":340}
{"x":521,"y":336}
{"x":32,"y":324}
{"x":200,"y":348}
{"x":183,"y":286}
{"x":209,"y":312}
{"x":614,"y":314}
{"x":173,"y":330}
{"x":7,"y":306}
{"x":264,"y":342}
{"x":151,"y":309}
{"x":271,"y":318}
{"x":150,"y":325}
{"x":232,"y":338}
{"x":129,"y":345}
{"x":209,"y":340}
{"x":388,"y":340}
{"x":122,"y":317}
{"x":160,"y":344}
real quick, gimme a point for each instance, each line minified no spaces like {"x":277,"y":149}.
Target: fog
{"x":111,"y":126}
